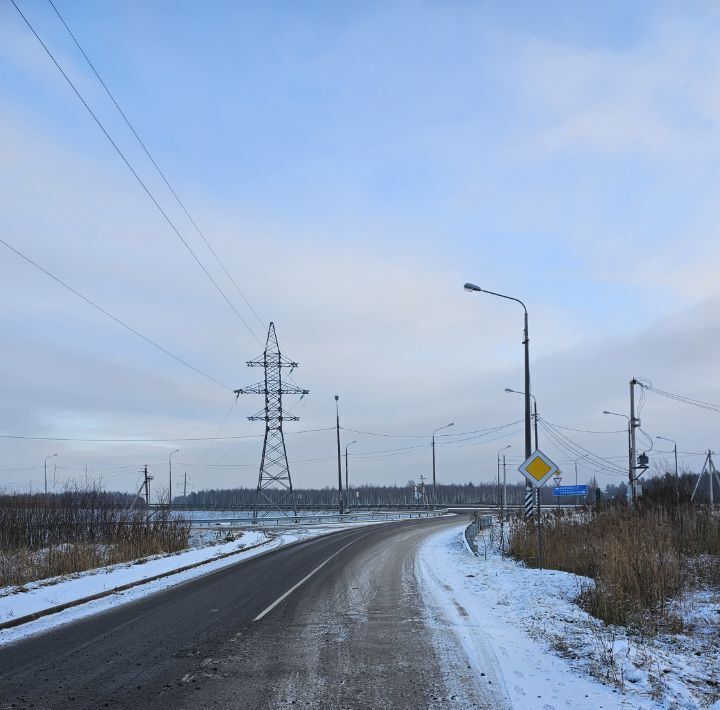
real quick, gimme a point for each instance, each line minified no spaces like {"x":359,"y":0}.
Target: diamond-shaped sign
{"x":538,"y":468}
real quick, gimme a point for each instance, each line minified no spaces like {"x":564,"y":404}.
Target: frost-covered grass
{"x":640,"y":558}
{"x":46,"y":536}
{"x":675,"y":666}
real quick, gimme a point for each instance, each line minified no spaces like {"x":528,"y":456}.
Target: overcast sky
{"x":353,"y":164}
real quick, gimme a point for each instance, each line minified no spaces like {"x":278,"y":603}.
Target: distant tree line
{"x":412,"y":493}
{"x":663,"y":487}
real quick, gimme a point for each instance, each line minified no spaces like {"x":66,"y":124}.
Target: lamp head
{"x":337,"y":398}
{"x":507,"y":389}
{"x":471,"y":287}
{"x":605,"y":411}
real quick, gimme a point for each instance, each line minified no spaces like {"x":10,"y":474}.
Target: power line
{"x":681,"y":398}
{"x":153,"y":161}
{"x":488,"y":430}
{"x":590,"y":431}
{"x":135,"y":174}
{"x":222,"y":424}
{"x":454,"y":445}
{"x":110,"y":315}
{"x":573,"y":448}
{"x":155,"y":440}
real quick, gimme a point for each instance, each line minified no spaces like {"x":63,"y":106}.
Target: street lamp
{"x":45,"y":467}
{"x":630,"y":450}
{"x":433,"y":457}
{"x":347,"y":485}
{"x":526,"y":342}
{"x":337,"y":427}
{"x":535,"y":414}
{"x":674,"y":443}
{"x":498,"y":467}
{"x":170,"y":474}
{"x":528,"y":435}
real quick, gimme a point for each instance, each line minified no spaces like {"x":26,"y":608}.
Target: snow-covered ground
{"x":525,"y":624}
{"x":206,"y":548}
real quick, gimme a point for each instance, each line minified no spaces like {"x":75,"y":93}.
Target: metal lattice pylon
{"x":274,"y":467}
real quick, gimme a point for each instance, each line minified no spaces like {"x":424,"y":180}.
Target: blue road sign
{"x":570,"y":490}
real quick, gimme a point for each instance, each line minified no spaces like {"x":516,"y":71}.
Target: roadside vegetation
{"x":82,"y":528}
{"x":640,"y":558}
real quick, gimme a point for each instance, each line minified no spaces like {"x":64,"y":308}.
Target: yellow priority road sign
{"x":537,"y":468}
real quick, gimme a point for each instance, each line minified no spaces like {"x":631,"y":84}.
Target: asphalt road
{"x":355,"y":634}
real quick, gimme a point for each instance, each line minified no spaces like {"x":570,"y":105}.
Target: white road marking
{"x":304,"y":579}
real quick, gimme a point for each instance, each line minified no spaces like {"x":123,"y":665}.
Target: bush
{"x":45,"y":536}
{"x":638,"y":557}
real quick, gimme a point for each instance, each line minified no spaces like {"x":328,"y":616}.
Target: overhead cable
{"x":155,"y":165}
{"x":136,"y":175}
{"x":107,"y":313}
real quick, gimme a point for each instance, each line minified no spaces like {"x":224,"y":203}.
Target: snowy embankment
{"x":524,"y":625}
{"x":38,"y":597}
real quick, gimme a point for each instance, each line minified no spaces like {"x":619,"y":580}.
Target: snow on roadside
{"x":37,"y":596}
{"x":524,"y":618}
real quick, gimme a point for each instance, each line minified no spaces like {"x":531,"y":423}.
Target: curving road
{"x":335,"y":622}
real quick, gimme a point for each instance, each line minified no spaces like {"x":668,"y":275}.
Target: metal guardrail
{"x":473,"y":530}
{"x":353,"y":508}
{"x":293,"y":521}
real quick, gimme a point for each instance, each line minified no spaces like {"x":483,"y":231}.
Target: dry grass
{"x":46,"y":536}
{"x":639,"y":558}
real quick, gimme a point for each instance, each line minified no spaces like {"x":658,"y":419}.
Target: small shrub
{"x":639,"y":557}
{"x":82,"y":528}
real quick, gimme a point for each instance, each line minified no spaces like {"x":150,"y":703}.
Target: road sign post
{"x":538,"y":469}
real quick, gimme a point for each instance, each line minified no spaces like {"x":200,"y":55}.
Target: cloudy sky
{"x":353,"y":164}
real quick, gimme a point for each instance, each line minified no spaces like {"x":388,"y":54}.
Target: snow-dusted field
{"x":550,"y":653}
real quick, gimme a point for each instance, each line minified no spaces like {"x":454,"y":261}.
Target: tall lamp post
{"x":170,"y":455}
{"x":433,"y":458}
{"x":337,"y":428}
{"x":534,"y":415}
{"x":630,"y":452}
{"x":498,"y":472}
{"x":674,"y":443}
{"x":528,"y":428}
{"x":45,"y":467}
{"x":526,"y":342}
{"x":347,"y":479}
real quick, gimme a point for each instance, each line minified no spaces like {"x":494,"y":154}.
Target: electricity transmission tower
{"x":274,"y":467}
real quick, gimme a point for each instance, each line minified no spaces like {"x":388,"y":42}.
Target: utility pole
{"x":709,"y":468}
{"x":503,"y":503}
{"x":633,"y":424}
{"x":170,"y":474}
{"x":528,"y":503}
{"x":185,"y":488}
{"x":45,"y":466}
{"x":147,"y":480}
{"x":576,"y":485}
{"x":274,"y":466}
{"x":504,"y":493}
{"x":498,"y":471}
{"x":422,"y":489}
{"x":348,"y":499}
{"x":434,"y":488}
{"x":339,"y":459}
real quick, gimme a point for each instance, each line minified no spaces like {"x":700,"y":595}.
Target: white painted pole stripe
{"x":305,"y":579}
